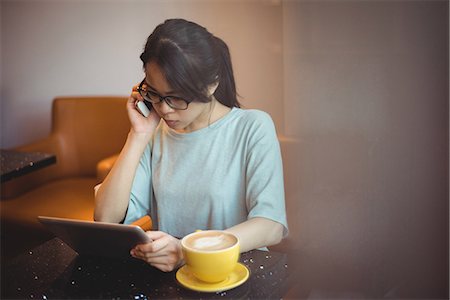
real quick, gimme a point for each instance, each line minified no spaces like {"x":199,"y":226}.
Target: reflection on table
{"x":16,"y":163}
{"x":53,"y":270}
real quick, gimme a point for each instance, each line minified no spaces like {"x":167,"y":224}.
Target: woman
{"x":197,"y":161}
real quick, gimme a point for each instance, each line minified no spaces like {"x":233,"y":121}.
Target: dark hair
{"x":192,"y":59}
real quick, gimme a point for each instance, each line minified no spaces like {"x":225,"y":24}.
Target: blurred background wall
{"x":361,"y":87}
{"x":366,"y":92}
{"x":77,"y":47}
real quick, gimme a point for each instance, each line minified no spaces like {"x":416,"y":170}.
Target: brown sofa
{"x":84,"y":131}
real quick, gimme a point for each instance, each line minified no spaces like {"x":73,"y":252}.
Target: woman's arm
{"x":266,"y":222}
{"x":165,"y":252}
{"x":113,"y":195}
{"x":257,"y":232}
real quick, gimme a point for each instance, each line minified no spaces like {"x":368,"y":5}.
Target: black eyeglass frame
{"x":166,"y":99}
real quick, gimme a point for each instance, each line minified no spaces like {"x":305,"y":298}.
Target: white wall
{"x":57,"y":48}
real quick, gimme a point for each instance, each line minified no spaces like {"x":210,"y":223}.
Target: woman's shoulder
{"x":255,"y":119}
{"x":257,"y":128}
{"x":254,"y":116}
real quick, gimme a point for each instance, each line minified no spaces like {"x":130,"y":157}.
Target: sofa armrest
{"x":104,"y":166}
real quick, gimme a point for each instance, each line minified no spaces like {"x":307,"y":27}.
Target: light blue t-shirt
{"x":212,"y":178}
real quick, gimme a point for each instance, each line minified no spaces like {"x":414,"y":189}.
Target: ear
{"x":212,"y":88}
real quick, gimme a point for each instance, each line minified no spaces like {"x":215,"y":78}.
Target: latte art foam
{"x":210,"y":241}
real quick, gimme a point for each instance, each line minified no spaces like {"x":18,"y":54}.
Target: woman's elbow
{"x":99,"y":216}
{"x":277,"y":234}
{"x":102,"y":214}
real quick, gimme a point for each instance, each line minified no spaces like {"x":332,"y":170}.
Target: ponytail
{"x":226,"y":91}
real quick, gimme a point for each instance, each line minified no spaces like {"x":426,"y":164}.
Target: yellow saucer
{"x":236,"y":278}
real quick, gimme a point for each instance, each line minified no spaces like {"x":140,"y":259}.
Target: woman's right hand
{"x":139,"y":123}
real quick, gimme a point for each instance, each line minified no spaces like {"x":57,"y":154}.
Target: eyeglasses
{"x":173,"y":101}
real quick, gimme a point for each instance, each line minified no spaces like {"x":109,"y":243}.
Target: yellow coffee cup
{"x":210,"y":255}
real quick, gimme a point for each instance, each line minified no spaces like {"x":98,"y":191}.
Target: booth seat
{"x":87,"y":135}
{"x":84,"y":131}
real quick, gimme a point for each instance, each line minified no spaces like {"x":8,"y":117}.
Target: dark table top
{"x":16,"y":163}
{"x":54,"y":271}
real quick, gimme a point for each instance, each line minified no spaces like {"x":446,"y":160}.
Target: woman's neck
{"x":213,"y":112}
{"x":218,"y":111}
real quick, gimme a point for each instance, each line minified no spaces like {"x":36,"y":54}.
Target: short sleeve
{"x":264,"y":173}
{"x":141,"y":190}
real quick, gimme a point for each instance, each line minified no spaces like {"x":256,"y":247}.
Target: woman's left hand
{"x":163,"y":253}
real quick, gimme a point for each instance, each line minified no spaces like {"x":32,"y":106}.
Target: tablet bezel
{"x":96,"y":238}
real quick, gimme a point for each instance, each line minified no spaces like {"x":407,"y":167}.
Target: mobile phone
{"x":144,"y":107}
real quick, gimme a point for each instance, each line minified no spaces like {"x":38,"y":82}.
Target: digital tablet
{"x":96,"y":238}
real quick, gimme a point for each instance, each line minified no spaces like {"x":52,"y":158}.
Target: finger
{"x":165,"y":264}
{"x":159,"y":242}
{"x":136,"y":95}
{"x":153,"y":258}
{"x":153,"y":247}
{"x":158,"y":260}
{"x":145,"y":254}
{"x":162,"y":244}
{"x":132,"y":100}
{"x":155,"y":235}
